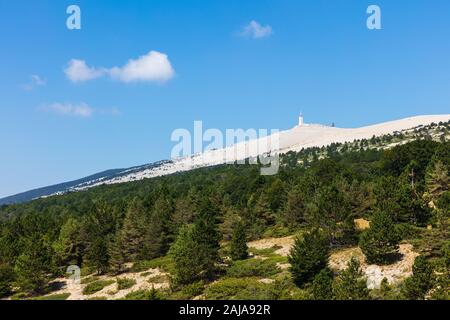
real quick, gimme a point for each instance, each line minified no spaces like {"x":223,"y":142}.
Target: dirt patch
{"x":394,"y":273}
{"x":285,"y":244}
{"x":110,"y":292}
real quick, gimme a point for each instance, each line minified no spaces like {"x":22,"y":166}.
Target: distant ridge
{"x":300,"y":137}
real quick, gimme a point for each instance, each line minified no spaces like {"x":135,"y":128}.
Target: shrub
{"x":89,"y":279}
{"x":164,"y":263}
{"x":125,"y":283}
{"x":239,"y":289}
{"x":152,"y":294}
{"x":96,"y":286}
{"x":252,"y":268}
{"x":59,"y":296}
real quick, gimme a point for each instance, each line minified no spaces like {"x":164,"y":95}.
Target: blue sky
{"x":319,"y":59}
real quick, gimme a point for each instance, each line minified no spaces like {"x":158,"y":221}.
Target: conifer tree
{"x":134,"y":230}
{"x":97,"y":255}
{"x":308,"y":256}
{"x":185,"y":254}
{"x":116,"y":254}
{"x":239,"y":248}
{"x":417,"y":286}
{"x":322,"y":285}
{"x":437,"y":180}
{"x":196,"y":250}
{"x":69,"y":247}
{"x":33,"y":266}
{"x":6,"y":279}
{"x":350,"y":284}
{"x":380,"y":242}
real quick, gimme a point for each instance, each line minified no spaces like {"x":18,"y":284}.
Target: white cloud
{"x":35,"y":81}
{"x":152,"y":67}
{"x":79,"y":71}
{"x":256,"y":31}
{"x":68,"y":109}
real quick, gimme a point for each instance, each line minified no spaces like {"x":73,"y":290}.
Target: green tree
{"x":187,"y":260}
{"x":196,"y":250}
{"x":437,"y":180}
{"x":6,"y":279}
{"x":350,"y":284}
{"x":294,"y":213}
{"x":417,"y":286}
{"x":321,"y":287}
{"x":116,"y":254}
{"x":134,"y":230}
{"x":33,"y":266}
{"x":207,"y":236}
{"x":239,"y":249}
{"x":308,"y":256}
{"x":380,"y":242}
{"x":97,"y":255}
{"x":69,"y":247}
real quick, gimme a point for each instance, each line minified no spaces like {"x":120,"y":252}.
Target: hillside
{"x":300,"y":137}
{"x":227,"y":232}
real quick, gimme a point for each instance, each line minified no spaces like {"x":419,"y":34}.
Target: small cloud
{"x":68,"y":109}
{"x":79,"y":71}
{"x":152,"y":67}
{"x":35,"y":81}
{"x":256,"y":31}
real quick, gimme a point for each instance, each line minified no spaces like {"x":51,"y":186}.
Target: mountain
{"x":300,"y":137}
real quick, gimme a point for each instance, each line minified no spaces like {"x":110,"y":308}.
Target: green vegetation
{"x":380,"y":242}
{"x":60,"y":296}
{"x":152,"y":294}
{"x":417,"y":286}
{"x":308,"y":256}
{"x":350,"y":284}
{"x":252,"y":268}
{"x":175,"y":223}
{"x":96,"y":286}
{"x":125,"y":283}
{"x":239,"y":249}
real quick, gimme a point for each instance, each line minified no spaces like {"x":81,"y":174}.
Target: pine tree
{"x":196,"y":250}
{"x":6,"y":279}
{"x":207,"y":237}
{"x":437,"y":180}
{"x":69,"y":247}
{"x":322,"y":285}
{"x":308,"y":256}
{"x":97,"y":255}
{"x":134,"y":231}
{"x":295,"y":208}
{"x":350,"y":284}
{"x":185,"y":254}
{"x":158,"y":233}
{"x":116,"y":254}
{"x":417,"y":286}
{"x":33,"y":266}
{"x":380,"y":242}
{"x":239,"y":249}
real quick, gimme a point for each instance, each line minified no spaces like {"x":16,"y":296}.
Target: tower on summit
{"x":300,"y":120}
